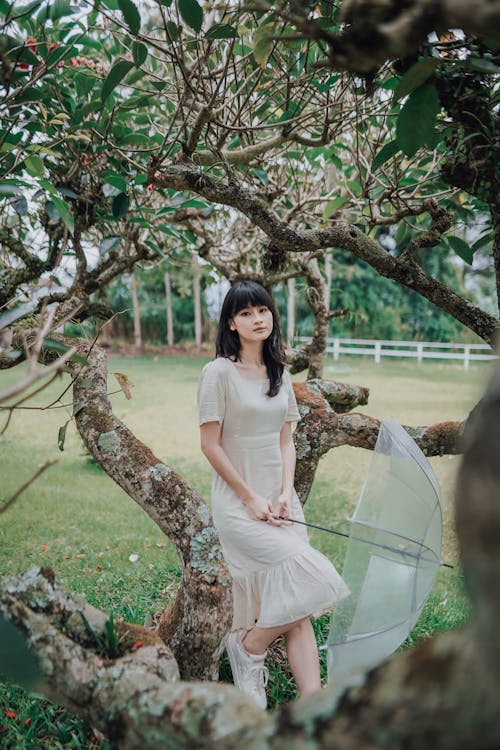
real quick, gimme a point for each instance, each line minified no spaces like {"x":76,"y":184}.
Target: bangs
{"x":249,"y":294}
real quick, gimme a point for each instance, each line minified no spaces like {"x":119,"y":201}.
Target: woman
{"x":246,"y":408}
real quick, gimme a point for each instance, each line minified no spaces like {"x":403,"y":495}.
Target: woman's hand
{"x":261,"y":509}
{"x":284,"y":507}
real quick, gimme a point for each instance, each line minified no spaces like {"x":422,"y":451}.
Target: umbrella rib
{"x":367,"y":541}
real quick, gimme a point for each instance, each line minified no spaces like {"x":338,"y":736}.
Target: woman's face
{"x":253,"y":323}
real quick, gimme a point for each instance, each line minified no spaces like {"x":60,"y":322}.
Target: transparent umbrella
{"x":392,"y":557}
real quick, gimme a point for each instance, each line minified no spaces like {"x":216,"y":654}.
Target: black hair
{"x":227,"y":344}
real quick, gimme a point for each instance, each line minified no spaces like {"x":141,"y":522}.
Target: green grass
{"x":76,"y":520}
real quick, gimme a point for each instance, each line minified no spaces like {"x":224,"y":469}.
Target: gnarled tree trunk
{"x":200,"y":616}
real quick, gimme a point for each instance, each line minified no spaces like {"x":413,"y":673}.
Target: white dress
{"x":277,"y":576}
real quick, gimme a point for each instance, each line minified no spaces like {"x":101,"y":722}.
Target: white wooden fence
{"x":419,"y":350}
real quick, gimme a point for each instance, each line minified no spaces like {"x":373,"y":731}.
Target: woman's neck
{"x":252,"y":355}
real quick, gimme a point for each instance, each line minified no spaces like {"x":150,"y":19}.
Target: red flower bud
{"x":151,"y":187}
{"x":32,"y":43}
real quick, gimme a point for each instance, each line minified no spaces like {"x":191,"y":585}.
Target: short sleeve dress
{"x":278,"y":577}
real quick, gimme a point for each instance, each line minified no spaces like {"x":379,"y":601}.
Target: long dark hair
{"x":227,"y":344}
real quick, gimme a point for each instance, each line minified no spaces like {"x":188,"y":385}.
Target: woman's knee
{"x":301,"y":625}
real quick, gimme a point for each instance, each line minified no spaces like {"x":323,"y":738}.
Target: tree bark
{"x":170,"y":316}
{"x":495,"y":221}
{"x":325,"y":425}
{"x":200,"y":616}
{"x":317,"y":303}
{"x":328,"y":275}
{"x":290,"y":308}
{"x":375,"y":31}
{"x":197,"y":302}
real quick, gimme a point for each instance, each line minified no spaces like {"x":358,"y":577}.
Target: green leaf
{"x":415,"y":124}
{"x":221,"y":31}
{"x":139,"y":53}
{"x":483,"y":65}
{"x":415,"y":77}
{"x":78,"y":407}
{"x":323,"y":86}
{"x":63,"y":211}
{"x":61,"y":436}
{"x":191,"y":13}
{"x":131,"y":15}
{"x":121,"y":204}
{"x":173,"y":31}
{"x":461,"y":248}
{"x":482,"y":241}
{"x":333,"y":206}
{"x":84,"y":84}
{"x":34,"y":165}
{"x":108,"y":243}
{"x":60,"y":8}
{"x":115,"y":75}
{"x":385,"y":153}
{"x":262,"y":44}
{"x":80,"y":359}
{"x":7,"y":189}
{"x":55,"y":346}
{"x":116,"y":180}
{"x":401,"y":233}
{"x":261,"y":174}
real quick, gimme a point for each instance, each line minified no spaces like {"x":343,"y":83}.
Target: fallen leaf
{"x":89,"y":570}
{"x":44,"y":548}
{"x":80,"y":555}
{"x":124,"y":383}
{"x":10,"y":714}
{"x":137,"y":645}
{"x":133,"y":558}
{"x":28,"y":721}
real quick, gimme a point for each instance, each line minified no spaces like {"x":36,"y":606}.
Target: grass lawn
{"x":77,"y":521}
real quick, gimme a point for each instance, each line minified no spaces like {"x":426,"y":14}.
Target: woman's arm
{"x":259,"y":508}
{"x":288,"y":458}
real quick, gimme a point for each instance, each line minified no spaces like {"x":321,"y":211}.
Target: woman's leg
{"x":301,"y":649}
{"x":302,"y":652}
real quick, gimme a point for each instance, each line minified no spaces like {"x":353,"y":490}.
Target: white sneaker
{"x":249,"y":672}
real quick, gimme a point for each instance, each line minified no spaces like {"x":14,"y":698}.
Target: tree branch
{"x":325,"y":425}
{"x":344,"y":236}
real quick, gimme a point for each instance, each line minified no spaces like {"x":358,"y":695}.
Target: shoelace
{"x":260,"y":674}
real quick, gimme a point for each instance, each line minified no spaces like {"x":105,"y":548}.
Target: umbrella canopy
{"x":392,"y":557}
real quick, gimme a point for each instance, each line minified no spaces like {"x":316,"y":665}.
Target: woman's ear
{"x":231,"y":325}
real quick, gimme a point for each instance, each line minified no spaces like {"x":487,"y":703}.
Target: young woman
{"x":246,"y":409}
